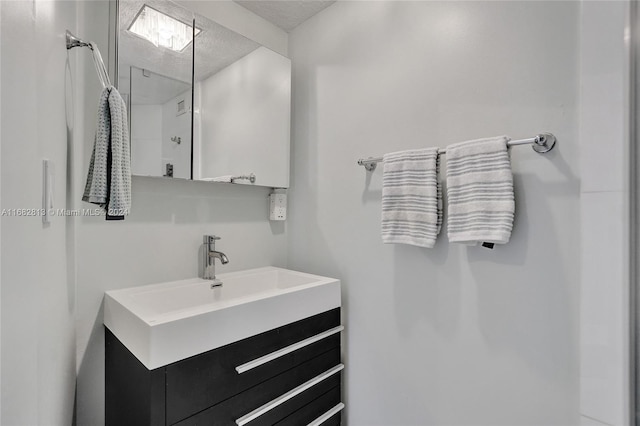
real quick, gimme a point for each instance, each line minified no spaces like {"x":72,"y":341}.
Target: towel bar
{"x":73,"y":41}
{"x":542,"y":143}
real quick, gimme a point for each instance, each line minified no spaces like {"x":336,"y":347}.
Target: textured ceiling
{"x":216,"y":46}
{"x":286,"y":14}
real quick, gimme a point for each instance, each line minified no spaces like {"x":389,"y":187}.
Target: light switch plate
{"x":47,"y":190}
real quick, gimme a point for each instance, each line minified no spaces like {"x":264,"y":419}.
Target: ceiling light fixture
{"x":162,"y":30}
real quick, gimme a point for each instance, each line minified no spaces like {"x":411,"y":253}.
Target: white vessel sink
{"x":166,"y":322}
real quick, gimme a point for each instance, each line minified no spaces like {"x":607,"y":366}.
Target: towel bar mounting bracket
{"x":73,"y":41}
{"x":368,"y":166}
{"x":544,"y":143}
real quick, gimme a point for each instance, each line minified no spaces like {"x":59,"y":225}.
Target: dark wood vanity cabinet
{"x":292,"y":377}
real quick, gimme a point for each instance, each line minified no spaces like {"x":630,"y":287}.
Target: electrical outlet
{"x":277,"y":206}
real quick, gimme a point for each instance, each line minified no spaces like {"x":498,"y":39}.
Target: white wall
{"x":146,"y":140}
{"x":177,"y":125}
{"x":152,"y":127}
{"x":604,"y":297}
{"x":39,"y":82}
{"x":450,"y":335}
{"x":244,"y":117}
{"x":161,"y":238}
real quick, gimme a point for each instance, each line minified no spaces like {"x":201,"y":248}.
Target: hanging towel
{"x":411,"y":198}
{"x":109,"y":177}
{"x":480,"y":192}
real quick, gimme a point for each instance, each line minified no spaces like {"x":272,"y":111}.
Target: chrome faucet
{"x":209,"y":260}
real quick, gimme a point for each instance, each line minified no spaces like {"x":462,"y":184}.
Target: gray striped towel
{"x":411,"y":198}
{"x":109,"y":176}
{"x":480,"y":191}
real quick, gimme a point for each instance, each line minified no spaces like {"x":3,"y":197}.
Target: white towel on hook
{"x":109,"y":176}
{"x":480,"y":196}
{"x":411,"y":198}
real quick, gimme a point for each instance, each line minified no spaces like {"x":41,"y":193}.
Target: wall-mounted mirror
{"x":236,"y":128}
{"x":155,"y":63}
{"x":242,"y":104}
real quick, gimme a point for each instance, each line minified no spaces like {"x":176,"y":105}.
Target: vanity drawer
{"x":335,"y":420}
{"x":315,"y":410}
{"x":199,"y":382}
{"x":271,"y":401}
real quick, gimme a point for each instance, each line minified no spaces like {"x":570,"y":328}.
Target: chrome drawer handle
{"x":326,"y":416}
{"x":287,"y":350}
{"x":287,"y":396}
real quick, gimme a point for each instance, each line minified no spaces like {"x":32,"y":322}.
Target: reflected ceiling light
{"x":162,"y":30}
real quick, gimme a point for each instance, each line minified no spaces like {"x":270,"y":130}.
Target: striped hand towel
{"x":411,"y":198}
{"x":480,"y":192}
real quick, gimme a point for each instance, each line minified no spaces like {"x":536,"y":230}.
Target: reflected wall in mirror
{"x":241,"y":98}
{"x":160,"y":108}
{"x":155,"y":63}
{"x":243,"y":108}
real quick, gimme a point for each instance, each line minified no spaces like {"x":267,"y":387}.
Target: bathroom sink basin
{"x":166,"y":322}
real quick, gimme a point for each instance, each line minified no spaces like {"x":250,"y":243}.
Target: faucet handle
{"x":207,"y":239}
